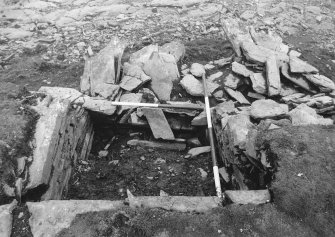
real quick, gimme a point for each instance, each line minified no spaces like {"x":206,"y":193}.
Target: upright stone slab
{"x":6,"y":219}
{"x":158,"y":123}
{"x":272,"y":76}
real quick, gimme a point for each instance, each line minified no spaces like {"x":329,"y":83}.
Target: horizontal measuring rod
{"x":163,"y":106}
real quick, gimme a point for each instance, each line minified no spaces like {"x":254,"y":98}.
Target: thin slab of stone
{"x":194,"y":86}
{"x":259,"y":54}
{"x":305,"y":115}
{"x":6,"y":219}
{"x":240,"y":69}
{"x":227,"y":107}
{"x":321,"y":81}
{"x":250,"y":146}
{"x":287,"y":90}
{"x":49,"y":218}
{"x":199,"y":150}
{"x":61,"y":93}
{"x":97,"y":105}
{"x":176,"y":48}
{"x":297,"y":79}
{"x":231,"y":81}
{"x":214,"y":76}
{"x":175,"y":203}
{"x":299,"y":66}
{"x":163,"y":70}
{"x":244,"y":197}
{"x":176,"y":146}
{"x":259,"y":84}
{"x":272,"y":76}
{"x":237,"y":96}
{"x":141,"y":56}
{"x":267,"y":108}
{"x":133,"y":78}
{"x":158,"y":123}
{"x":255,"y":96}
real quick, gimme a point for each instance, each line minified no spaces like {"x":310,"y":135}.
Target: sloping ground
{"x":232,"y":220}
{"x":304,"y":186}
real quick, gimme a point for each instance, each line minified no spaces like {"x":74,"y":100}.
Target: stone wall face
{"x":63,"y":135}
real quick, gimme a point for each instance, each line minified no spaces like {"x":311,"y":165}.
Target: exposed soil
{"x":144,"y":171}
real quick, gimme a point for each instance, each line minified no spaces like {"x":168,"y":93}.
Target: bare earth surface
{"x":44,"y":43}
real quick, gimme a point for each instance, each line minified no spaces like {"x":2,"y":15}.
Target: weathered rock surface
{"x":58,"y":127}
{"x":214,"y":76}
{"x":261,"y":109}
{"x":227,"y":107}
{"x":175,"y":203}
{"x":238,"y":127}
{"x":200,"y":120}
{"x":237,"y":96}
{"x":129,"y":97}
{"x":163,"y":70}
{"x":6,"y":219}
{"x":159,"y":145}
{"x":133,"y":78}
{"x":49,"y":218}
{"x":268,"y":40}
{"x":255,"y":96}
{"x":299,"y":66}
{"x":250,"y":147}
{"x":321,"y":81}
{"x":240,"y":69}
{"x":194,"y":86}
{"x":176,"y":48}
{"x":13,"y":33}
{"x":158,"y":123}
{"x":258,"y":83}
{"x":272,"y":76}
{"x":141,"y":56}
{"x":199,"y":150}
{"x":248,"y":196}
{"x":197,"y":69}
{"x":305,"y":115}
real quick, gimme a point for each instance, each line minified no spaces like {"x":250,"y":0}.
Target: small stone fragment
{"x":237,"y":96}
{"x":159,"y":145}
{"x":129,"y":97}
{"x":249,"y":196}
{"x":197,"y":69}
{"x":248,"y":14}
{"x":227,"y":107}
{"x":255,"y":96}
{"x":203,"y":174}
{"x":240,"y":69}
{"x":194,"y":86}
{"x":258,"y":83}
{"x":321,"y":81}
{"x":294,"y":53}
{"x":231,"y":81}
{"x":224,"y":174}
{"x":214,"y":76}
{"x":199,"y":150}
{"x":200,"y":120}
{"x":299,"y":66}
{"x":261,"y":109}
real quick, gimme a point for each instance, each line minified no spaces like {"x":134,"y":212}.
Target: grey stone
{"x":175,"y":203}
{"x":175,"y":3}
{"x":305,"y":115}
{"x":214,"y":76}
{"x":199,"y":150}
{"x":237,"y":96}
{"x":129,"y":97}
{"x":133,"y":78}
{"x":238,"y":127}
{"x":227,"y":107}
{"x":250,"y":147}
{"x":203,"y":174}
{"x":231,"y":81}
{"x":200,"y":120}
{"x":272,"y":76}
{"x":256,"y":96}
{"x":292,"y":97}
{"x":268,"y":40}
{"x":97,"y":105}
{"x":313,"y":9}
{"x":142,"y":56}
{"x":299,"y":66}
{"x":287,"y":90}
{"x":321,"y":81}
{"x":224,"y":174}
{"x":176,"y":48}
{"x":258,"y":83}
{"x":158,"y":123}
{"x":240,"y":69}
{"x":261,"y":109}
{"x":249,"y":196}
{"x":163,"y":70}
{"x":247,"y":15}
{"x":194,"y":86}
{"x":222,"y":62}
{"x":197,"y":69}
{"x":294,"y":53}
{"x":13,"y":33}
{"x":51,"y":217}
{"x":296,"y":78}
{"x":160,"y":145}
{"x":6,"y":219}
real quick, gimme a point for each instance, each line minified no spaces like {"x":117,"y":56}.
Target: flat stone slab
{"x":258,"y":83}
{"x":158,"y":123}
{"x":175,"y":203}
{"x":299,"y":66}
{"x":197,"y":69}
{"x":237,"y":96}
{"x":129,"y":97}
{"x":261,"y":109}
{"x":175,"y":48}
{"x":194,"y":86}
{"x":238,"y":127}
{"x":199,"y":150}
{"x":231,"y":81}
{"x":133,"y":77}
{"x":6,"y":219}
{"x":241,"y":69}
{"x":248,"y":196}
{"x":321,"y":81}
{"x":161,"y":145}
{"x":48,"y":218}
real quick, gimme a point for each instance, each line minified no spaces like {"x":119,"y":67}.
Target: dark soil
{"x":233,"y":220}
{"x":143,"y":171}
{"x":304,"y":184}
{"x":21,"y":227}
